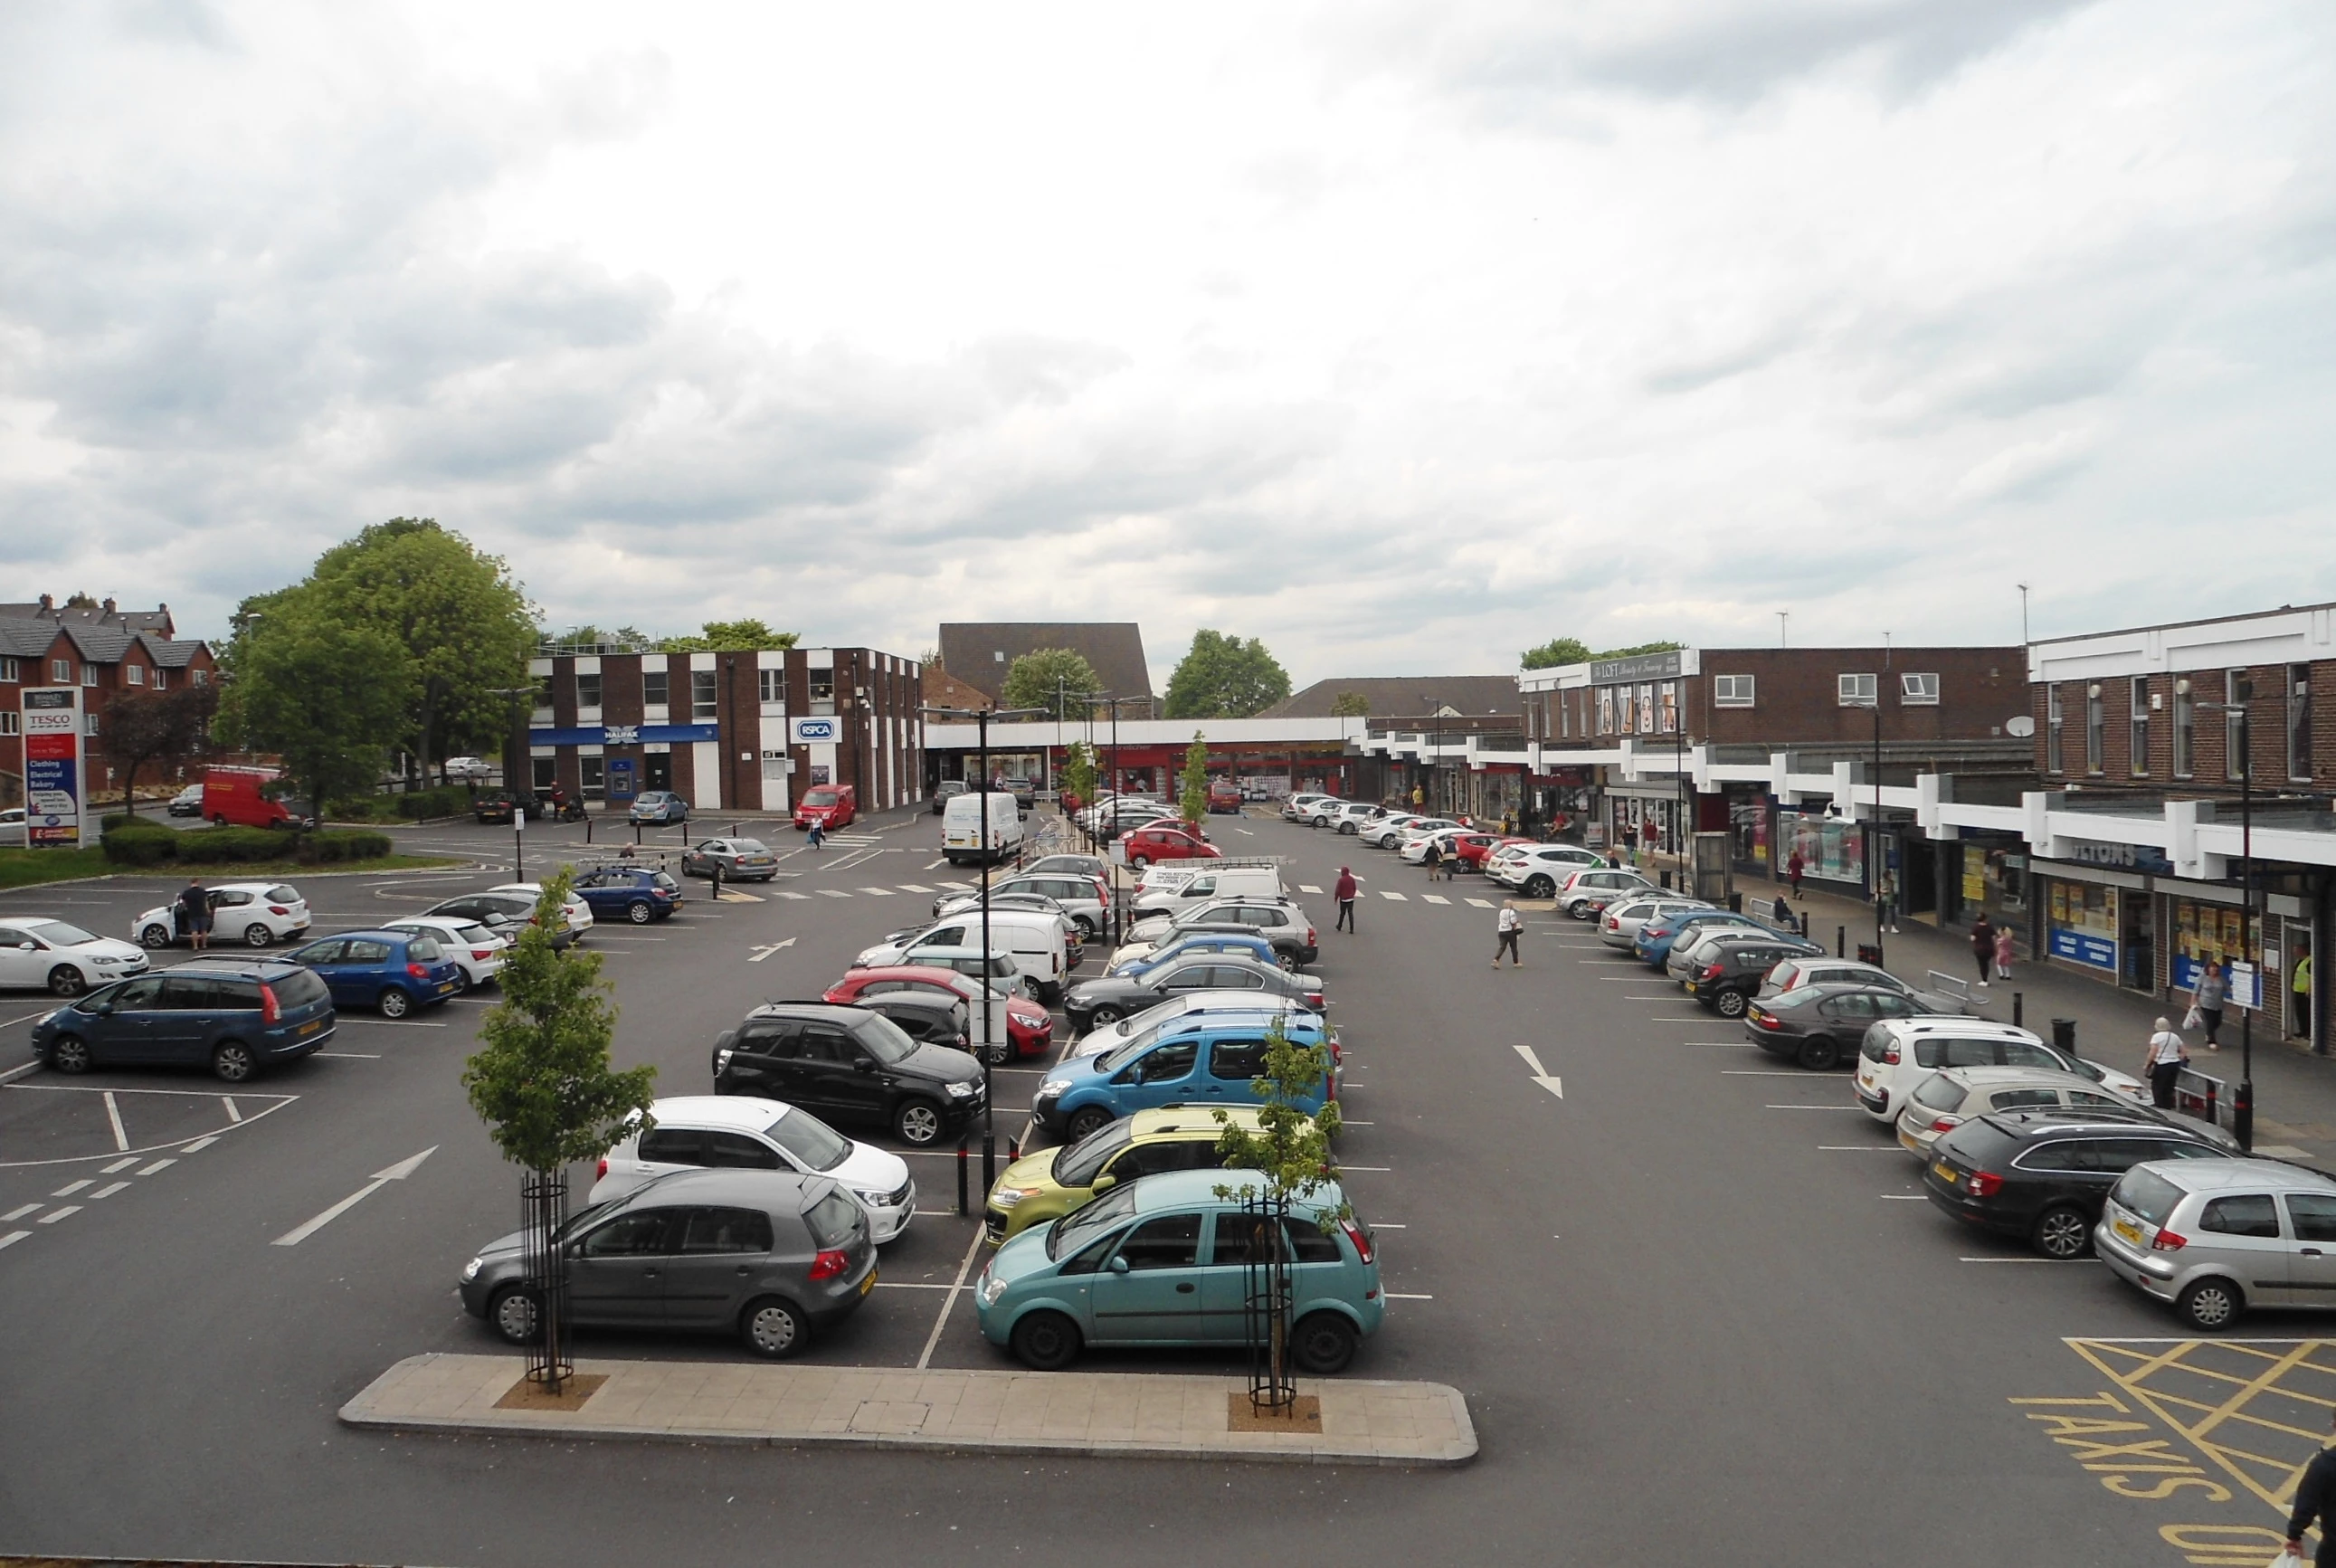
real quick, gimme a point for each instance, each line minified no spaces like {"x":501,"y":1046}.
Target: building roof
{"x":157,"y":620}
{"x":943,"y":689}
{"x":980,"y":652}
{"x":31,"y":637}
{"x":1408,"y":697}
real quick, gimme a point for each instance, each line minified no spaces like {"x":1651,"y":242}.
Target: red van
{"x":233,"y":795}
{"x":832,"y":807}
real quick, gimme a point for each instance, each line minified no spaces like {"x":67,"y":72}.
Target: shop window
{"x":2209,"y":933}
{"x":2186,"y":727}
{"x":588,"y":689}
{"x":2299,"y":721}
{"x":657,"y":687}
{"x":1917,"y":690}
{"x":705,"y":696}
{"x":2096,"y":723}
{"x":2139,"y":728}
{"x":1859,"y":690}
{"x":2052,"y":729}
{"x":596,"y":777}
{"x":1731,"y":691}
{"x":771,"y":685}
{"x":2235,"y":693}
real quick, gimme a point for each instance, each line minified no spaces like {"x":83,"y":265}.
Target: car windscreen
{"x":820,"y":798}
{"x":832,"y":1220}
{"x":58,"y":934}
{"x":1119,"y":1056}
{"x":300,"y":988}
{"x":809,"y":1140}
{"x":1940,"y":1094}
{"x":883,"y":1039}
{"x":1080,"y":1226}
{"x":2147,"y":1195}
{"x":1076,"y":1164}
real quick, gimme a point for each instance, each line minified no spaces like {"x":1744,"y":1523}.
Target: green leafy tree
{"x":748,"y":636}
{"x":164,"y":726}
{"x":323,"y":695}
{"x":1224,"y":676}
{"x":81,"y":598}
{"x":590,"y":638}
{"x":1194,"y":785}
{"x":1079,"y":769}
{"x":1350,"y":704}
{"x":1059,"y":679}
{"x":1562,"y":650}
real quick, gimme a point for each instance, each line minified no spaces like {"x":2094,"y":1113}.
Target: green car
{"x":1044,"y":1186}
{"x":1164,"y":1260}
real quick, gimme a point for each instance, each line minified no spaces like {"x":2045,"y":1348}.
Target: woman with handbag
{"x":2167,"y":1057}
{"x":2214,"y":986}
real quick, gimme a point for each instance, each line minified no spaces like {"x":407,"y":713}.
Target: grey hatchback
{"x":236,"y":1018}
{"x":772,"y":1256}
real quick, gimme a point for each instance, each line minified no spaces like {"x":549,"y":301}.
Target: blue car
{"x":236,"y":1018}
{"x":1656,"y":937}
{"x":628,"y":893}
{"x":397,"y":971}
{"x":1247,"y":946}
{"x":1164,"y":1260}
{"x":1203,"y":1060}
{"x":658,"y":807}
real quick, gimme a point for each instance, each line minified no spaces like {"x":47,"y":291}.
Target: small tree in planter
{"x":1194,"y":800}
{"x":1079,"y":772}
{"x":543,"y":1084}
{"x":1291,"y":1151}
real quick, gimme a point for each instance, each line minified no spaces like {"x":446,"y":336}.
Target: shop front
{"x":1751,"y":821}
{"x":1988,"y":874}
{"x":1830,"y":850}
{"x":2098,"y":923}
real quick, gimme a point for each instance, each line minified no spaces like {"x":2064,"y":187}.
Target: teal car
{"x":1200,"y":1059}
{"x":1164,"y":1260}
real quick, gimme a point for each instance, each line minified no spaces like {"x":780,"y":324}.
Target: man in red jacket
{"x":1345,"y":894}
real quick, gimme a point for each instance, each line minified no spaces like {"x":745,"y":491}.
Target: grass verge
{"x":27,"y":868}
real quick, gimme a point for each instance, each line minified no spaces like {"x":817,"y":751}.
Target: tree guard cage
{"x":1266,"y":1301}
{"x":544,"y":1215}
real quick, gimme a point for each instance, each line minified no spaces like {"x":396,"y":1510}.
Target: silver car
{"x":2214,"y":1237}
{"x":741,"y":860}
{"x":1620,"y":928}
{"x":1075,"y":896}
{"x":1819,"y":970}
{"x":1952,"y":1097}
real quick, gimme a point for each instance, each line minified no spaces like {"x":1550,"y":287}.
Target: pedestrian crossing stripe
{"x":1481,"y":903}
{"x":913,"y":888}
{"x":957,"y":887}
{"x":833,"y":894}
{"x":1308,"y":888}
{"x":1399,"y":898}
{"x":783,"y":894}
{"x":1435,"y":898}
{"x":861,"y":840}
{"x":878,"y":892}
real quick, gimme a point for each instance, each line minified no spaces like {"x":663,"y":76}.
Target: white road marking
{"x":2056,"y":1261}
{"x":957,"y":887}
{"x":352,"y":1056}
{"x":1760,"y":1073}
{"x":232,"y":1114}
{"x":69,"y":1188}
{"x":765,"y":950}
{"x":14,"y":1073}
{"x":1403,"y":1296}
{"x":1308,"y":888}
{"x":1860,"y":1149}
{"x":13,"y":1237}
{"x":1386,"y":1225}
{"x":397,"y":1172}
{"x":200,"y":1145}
{"x":113,"y":1115}
{"x":833,"y":894}
{"x":1903,"y":1197}
{"x":107,"y":1191}
{"x":1379,"y":1168}
{"x":17,"y":1214}
{"x":1435,"y":898}
{"x":784,"y":894}
{"x":935,"y":865}
{"x":1860,"y":1110}
{"x":877,"y":893}
{"x":1245,"y":832}
{"x":1542,"y":1075}
{"x":149,"y":1170}
{"x":924,"y":1360}
{"x":1481,"y":903}
{"x":913,"y":1284}
{"x":914,"y":888}
{"x":70,"y":1209}
{"x":1390,"y":893}
{"x":120,"y":1166}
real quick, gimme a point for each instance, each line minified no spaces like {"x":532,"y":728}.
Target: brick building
{"x":981,"y":652}
{"x":104,"y":649}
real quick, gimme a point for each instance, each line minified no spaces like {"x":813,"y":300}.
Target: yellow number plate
{"x":869,"y":1283}
{"x":1945,"y":1172}
{"x":2128,"y":1230}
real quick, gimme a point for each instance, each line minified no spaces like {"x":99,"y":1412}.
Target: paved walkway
{"x":1111,"y":1413}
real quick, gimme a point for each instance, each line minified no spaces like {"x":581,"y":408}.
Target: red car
{"x":1225,"y":795}
{"x":1475,"y":848}
{"x":1163,"y":841}
{"x":832,"y":807}
{"x":1028,"y":1026}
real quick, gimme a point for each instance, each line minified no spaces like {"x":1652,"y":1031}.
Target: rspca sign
{"x":812,"y":732}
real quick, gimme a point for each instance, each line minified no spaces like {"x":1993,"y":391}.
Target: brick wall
{"x":2209,"y":771}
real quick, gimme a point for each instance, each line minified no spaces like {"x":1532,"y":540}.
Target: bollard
{"x":588,"y":827}
{"x":637,"y":835}
{"x":2017,"y":1020}
{"x":2064,"y":1034}
{"x":1840,"y":940}
{"x":960,"y":1178}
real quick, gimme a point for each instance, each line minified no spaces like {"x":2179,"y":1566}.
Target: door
{"x":356,"y":977}
{"x":712,"y":1269}
{"x":832,"y":1079}
{"x":21,"y":959}
{"x":2311,"y":1267}
{"x":763,"y":1060}
{"x":1232,"y":1062}
{"x":2242,"y":1230}
{"x":1225,"y":1282}
{"x":126,"y":1032}
{"x":1158,"y":1077}
{"x":1158,"y":1297}
{"x":615,"y":1274}
{"x":190,"y":1003}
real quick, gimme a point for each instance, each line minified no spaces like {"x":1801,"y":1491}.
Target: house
{"x":105,"y":651}
{"x":980,"y":654}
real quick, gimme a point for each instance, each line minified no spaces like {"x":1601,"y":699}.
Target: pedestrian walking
{"x":2315,"y":1498}
{"x":1419,"y":797}
{"x":1793,"y":869}
{"x":195,"y":915}
{"x":1510,"y":926}
{"x":2003,"y":953}
{"x":2214,"y":991}
{"x":1885,"y":902}
{"x":2167,"y":1057}
{"x":2299,"y":982}
{"x":1432,"y":858}
{"x":1983,"y":942}
{"x":818,"y":833}
{"x":1345,"y":894}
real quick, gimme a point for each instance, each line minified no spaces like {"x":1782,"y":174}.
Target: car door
{"x":125,"y":1031}
{"x":616,"y":1271}
{"x":2312,"y":1266}
{"x":325,"y":958}
{"x":1156,"y":1297}
{"x":716,"y":1257}
{"x":1187,"y":977}
{"x":358,"y":975}
{"x":764,"y":1059}
{"x":832,"y":1081}
{"x":2244,"y":1230}
{"x":182,"y":1027}
{"x":1161,"y":1075}
{"x":1232,"y":1062}
{"x":1227,"y":1279}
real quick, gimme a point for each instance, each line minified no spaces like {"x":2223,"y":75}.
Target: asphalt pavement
{"x":1697,"y":1306}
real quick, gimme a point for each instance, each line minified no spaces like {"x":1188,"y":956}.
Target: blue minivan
{"x":1165,"y":1259}
{"x":237,"y":1017}
{"x":1208,"y":1058}
{"x":397,"y":971}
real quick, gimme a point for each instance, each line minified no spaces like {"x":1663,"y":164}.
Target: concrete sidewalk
{"x":1114,"y":1414}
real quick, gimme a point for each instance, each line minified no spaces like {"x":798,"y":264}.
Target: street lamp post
{"x":513,"y":751}
{"x":1112,"y":832}
{"x":2243,"y":1106}
{"x":1432,"y":797}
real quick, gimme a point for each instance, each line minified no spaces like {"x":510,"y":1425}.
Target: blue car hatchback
{"x":628,"y":893}
{"x":1185,"y":946}
{"x":235,"y":1018}
{"x":1203,"y":1059}
{"x":1164,"y":1260}
{"x":395,"y":971}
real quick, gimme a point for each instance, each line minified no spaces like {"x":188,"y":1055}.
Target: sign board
{"x":620,"y":735}
{"x":622,"y":778}
{"x":1643,"y":667}
{"x":2246,"y":986}
{"x":2121,"y":857}
{"x":812,"y":731}
{"x":54,"y":775}
{"x":2084,"y":947}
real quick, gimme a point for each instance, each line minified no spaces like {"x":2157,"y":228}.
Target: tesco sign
{"x":811,"y":731}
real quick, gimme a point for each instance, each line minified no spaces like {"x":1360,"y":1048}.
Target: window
{"x":674,"y":1146}
{"x":1918,"y":691}
{"x":61,"y":671}
{"x":1666,"y":697}
{"x":2061,"y":1157}
{"x":367,"y":952}
{"x":2235,"y":693}
{"x":822,"y":685}
{"x":2314,"y":1215}
{"x":8,"y":721}
{"x":202,"y":677}
{"x":1731,"y":691}
{"x":2096,"y":720}
{"x":89,"y":724}
{"x":705,"y":696}
{"x":2299,"y":721}
{"x":545,"y":771}
{"x":89,"y":675}
{"x":771,"y":685}
{"x":1237,"y":1061}
{"x":134,"y":674}
{"x":2246,"y":1215}
{"x":1859,"y":690}
{"x":595,"y":773}
{"x":725,"y":1230}
{"x":634,"y":1235}
{"x":1170,"y":1242}
{"x":2139,"y":728}
{"x":588,"y":689}
{"x":737,"y":1152}
{"x":161,"y":679}
{"x":1168,"y":1064}
{"x":2052,"y":729}
{"x":2186,"y":727}
{"x":655,"y":688}
{"x":9,"y":670}
{"x":1605,"y":710}
{"x":2024,"y":1099}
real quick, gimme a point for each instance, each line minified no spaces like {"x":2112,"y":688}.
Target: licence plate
{"x":1906,"y":1140}
{"x":1943,"y":1171}
{"x":304,"y":1030}
{"x":2127,"y":1230}
{"x":869,"y":1283}
{"x":1690,"y":986}
{"x":445,"y":987}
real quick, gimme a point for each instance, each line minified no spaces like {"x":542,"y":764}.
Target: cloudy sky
{"x":1403,"y":336}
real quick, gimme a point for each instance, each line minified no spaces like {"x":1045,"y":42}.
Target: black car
{"x":2043,"y":1174}
{"x":494,"y":805}
{"x":233,"y":1017}
{"x":923,"y":1015}
{"x":1731,"y":971}
{"x":848,"y":1064}
{"x":1108,"y":998}
{"x":1820,"y":1026}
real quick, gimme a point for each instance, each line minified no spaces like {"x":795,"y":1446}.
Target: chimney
{"x":48,"y":603}
{"x":109,"y":607}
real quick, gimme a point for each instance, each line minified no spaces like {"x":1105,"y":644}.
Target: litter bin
{"x":1868,"y":953}
{"x":1667,"y":881}
{"x":1735,"y":904}
{"x":2064,"y":1033}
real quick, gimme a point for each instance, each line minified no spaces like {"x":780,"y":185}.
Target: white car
{"x":1536,"y":869}
{"x":477,"y":952}
{"x":1297,"y":802}
{"x":1103,"y":1037}
{"x":1899,"y":1055}
{"x":739,"y":1131}
{"x":1315,"y":814}
{"x":469,"y":769}
{"x":1620,"y":926}
{"x":1380,"y":832}
{"x":577,"y":912}
{"x":37,"y":952}
{"x":1588,"y":892}
{"x":1351,"y":815}
{"x":1413,"y":847}
{"x":256,"y":914}
{"x":12,"y":825}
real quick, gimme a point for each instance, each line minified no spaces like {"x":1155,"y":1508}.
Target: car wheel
{"x":154,"y":937}
{"x":1085,"y":1120}
{"x":69,"y":1054}
{"x":1539,"y":886}
{"x":1102,"y":1016}
{"x":232,"y":1062}
{"x":1322,"y":1343}
{"x":257,"y":935}
{"x":2210,"y":1304}
{"x":1002,"y":1052}
{"x":394,"y":1003}
{"x":918,"y":1122}
{"x":514,"y":1314}
{"x":1818,"y":1052}
{"x":1138,"y":862}
{"x":1348,"y":828}
{"x":1046,"y":1341}
{"x":1285,"y":963}
{"x":773,"y":1328}
{"x":1729,"y":1003}
{"x":1087,"y":928}
{"x":2062,"y":1232}
{"x":65,"y":980}
{"x":638,"y":911}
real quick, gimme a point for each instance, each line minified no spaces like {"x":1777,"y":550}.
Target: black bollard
{"x":2017,"y":1020}
{"x":1840,"y":940}
{"x":962,"y":1207}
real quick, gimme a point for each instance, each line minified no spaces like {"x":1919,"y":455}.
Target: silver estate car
{"x":2214,"y":1237}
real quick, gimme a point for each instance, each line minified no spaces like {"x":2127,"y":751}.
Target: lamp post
{"x":515,"y":751}
{"x":1432,"y":797}
{"x":2242,"y":1107}
{"x":1678,"y":781}
{"x":1113,"y":703}
{"x":1880,"y":852}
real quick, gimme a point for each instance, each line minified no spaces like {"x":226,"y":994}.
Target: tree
{"x":590,"y":638}
{"x":81,"y":598}
{"x":143,"y":726}
{"x":543,"y":1084}
{"x":1225,"y":676}
{"x":322,"y":694}
{"x":1562,"y":650}
{"x":1059,"y":679}
{"x":931,"y":659}
{"x":732,"y":636}
{"x":1194,"y":798}
{"x":1079,"y":771}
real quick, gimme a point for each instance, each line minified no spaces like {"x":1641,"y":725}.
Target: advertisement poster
{"x":1975,"y":875}
{"x":53,"y":766}
{"x":2083,"y":921}
{"x":2204,"y":934}
{"x":1829,"y":848}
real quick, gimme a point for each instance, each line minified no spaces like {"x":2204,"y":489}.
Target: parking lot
{"x":1654,"y":1259}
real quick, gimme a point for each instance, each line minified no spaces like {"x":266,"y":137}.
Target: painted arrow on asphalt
{"x":397,"y":1172}
{"x":765,"y":951}
{"x":1547,"y":1080}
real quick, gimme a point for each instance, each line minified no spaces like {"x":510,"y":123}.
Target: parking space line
{"x":1481,"y":904}
{"x":17,"y":1214}
{"x":149,"y":1169}
{"x":912,"y":1285}
{"x":1903,"y":1197}
{"x":232,"y":1114}
{"x":800,"y":897}
{"x":200,"y":1144}
{"x":1761,"y":1073}
{"x":876,"y":893}
{"x":1433,"y":898}
{"x":352,"y":1056}
{"x":924,"y":1360}
{"x":1859,"y":1111}
{"x":28,"y":1018}
{"x":69,"y":1188}
{"x":1366,"y":1167}
{"x":1860,"y":1149}
{"x":1404,"y":1296}
{"x":2056,"y":1261}
{"x":107,"y":1191}
{"x":1387,"y":893}
{"x":69,"y":1210}
{"x":396,"y":1023}
{"x":14,"y":1073}
{"x":13,"y":1237}
{"x":1302,"y":887}
{"x":118,"y":1165}
{"x":113,"y":1115}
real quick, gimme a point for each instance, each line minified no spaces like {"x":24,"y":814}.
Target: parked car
{"x":1825,"y":969}
{"x":1094,"y":868}
{"x":1898,"y":1055}
{"x":1323,"y":812}
{"x":238,"y":1017}
{"x":723,"y":1132}
{"x":257,"y":914}
{"x":1205,"y":1060}
{"x":12,"y":832}
{"x":1165,"y":1262}
{"x":469,"y":769}
{"x":1389,"y":831}
{"x":740,"y":860}
{"x":924,"y":1018}
{"x":2215,"y":1237}
{"x":1285,"y":925}
{"x":1043,"y":945}
{"x":1105,"y":1037}
{"x":2044,"y":1174}
{"x":833,"y":806}
{"x":37,"y":951}
{"x":1693,"y":952}
{"x":246,"y":797}
{"x":1476,"y":849}
{"x":658,"y":807}
{"x":1819,"y":1026}
{"x":1446,"y":843}
{"x":1144,"y":845}
{"x":848,"y":1065}
{"x":1537,"y":870}
{"x":1655,"y":938}
{"x":186,"y":803}
{"x":1626,"y":917}
{"x":1232,"y":880}
{"x":1348,"y":817}
{"x":1041,"y":1188}
{"x":1025,"y":1026}
{"x":494,"y":805}
{"x":1224,"y":797}
{"x":633,"y":893}
{"x":944,"y":790}
{"x":1242,"y":942}
{"x":513,"y":904}
{"x":772,"y":1256}
{"x":1955,"y":1095}
{"x":395,"y":971}
{"x":1292,"y":806}
{"x":477,"y":952}
{"x":1585,"y":893}
{"x":1730,"y":971}
{"x":1079,"y":900}
{"x":1109,"y":997}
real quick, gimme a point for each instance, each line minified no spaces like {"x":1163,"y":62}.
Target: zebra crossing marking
{"x":1481,"y":903}
{"x":1390,"y":894}
{"x":913,"y":888}
{"x":1435,"y":898}
{"x":1308,"y":888}
{"x":833,"y":894}
{"x":878,"y":892}
{"x":785,"y":893}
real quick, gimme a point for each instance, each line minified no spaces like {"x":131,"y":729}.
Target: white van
{"x":1039,"y":944}
{"x":961,"y":838}
{"x":1259,"y":882}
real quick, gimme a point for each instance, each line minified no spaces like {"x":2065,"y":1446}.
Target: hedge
{"x":150,"y":843}
{"x":446,"y":800}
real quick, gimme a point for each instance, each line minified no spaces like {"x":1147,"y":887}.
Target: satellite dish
{"x":2019,"y":725}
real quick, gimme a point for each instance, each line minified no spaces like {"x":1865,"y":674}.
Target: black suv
{"x":936,"y":1021}
{"x":849,"y":1064}
{"x":1727,"y":976}
{"x":233,"y":1017}
{"x":2042,"y":1174}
